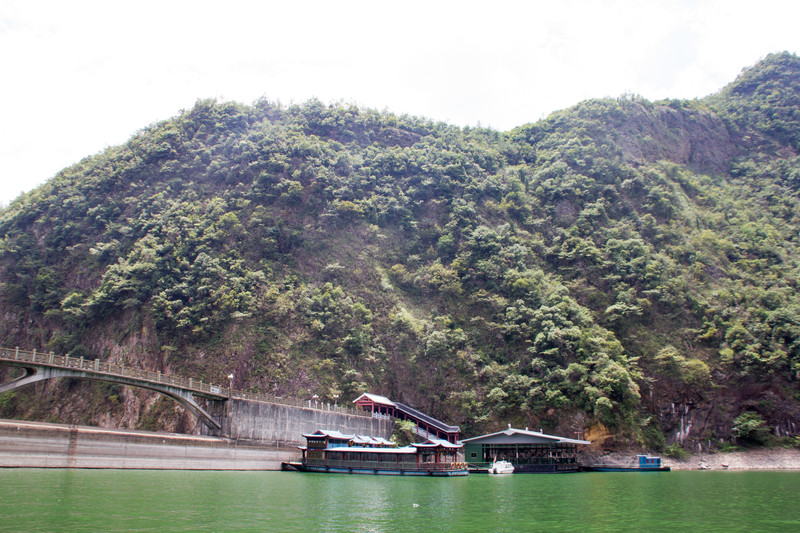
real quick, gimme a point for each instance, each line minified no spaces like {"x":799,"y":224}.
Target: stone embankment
{"x":756,"y":459}
{"x":42,"y":445}
{"x":759,"y":459}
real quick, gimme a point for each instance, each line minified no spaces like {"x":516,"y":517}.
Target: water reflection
{"x":106,"y":500}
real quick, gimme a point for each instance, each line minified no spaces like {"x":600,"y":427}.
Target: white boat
{"x":501,"y":467}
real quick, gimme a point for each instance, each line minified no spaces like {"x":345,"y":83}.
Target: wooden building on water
{"x":335,"y":452}
{"x":528,"y":451}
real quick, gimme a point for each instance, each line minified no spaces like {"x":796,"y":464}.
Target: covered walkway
{"x":427,"y":426}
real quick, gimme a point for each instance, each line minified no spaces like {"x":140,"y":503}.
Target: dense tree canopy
{"x":600,"y":266}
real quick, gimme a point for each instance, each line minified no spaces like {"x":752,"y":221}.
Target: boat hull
{"x":626,"y":469}
{"x":531,"y":469}
{"x":545,"y":469}
{"x":355,"y":469}
{"x":501,"y":467}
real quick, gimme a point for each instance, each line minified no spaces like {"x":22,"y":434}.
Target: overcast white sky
{"x":78,"y":76}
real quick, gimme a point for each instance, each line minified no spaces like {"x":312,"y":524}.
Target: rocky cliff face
{"x":698,"y":139}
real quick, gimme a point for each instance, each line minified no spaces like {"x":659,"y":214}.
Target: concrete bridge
{"x":41,"y":366}
{"x":239,"y":415}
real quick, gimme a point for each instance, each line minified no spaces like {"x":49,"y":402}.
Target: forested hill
{"x":624,"y":265}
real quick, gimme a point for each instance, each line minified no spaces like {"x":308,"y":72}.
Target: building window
{"x":474,"y":455}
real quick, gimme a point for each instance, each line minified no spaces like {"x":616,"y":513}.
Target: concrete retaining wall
{"x":283,"y":426}
{"x":41,"y":445}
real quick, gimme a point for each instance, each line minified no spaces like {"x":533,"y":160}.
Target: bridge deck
{"x":199,"y":388}
{"x":22,"y":358}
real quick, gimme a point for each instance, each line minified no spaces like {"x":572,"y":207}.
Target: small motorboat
{"x":501,"y":467}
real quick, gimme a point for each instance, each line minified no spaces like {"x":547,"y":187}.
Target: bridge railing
{"x":103,"y":367}
{"x":308,"y":404}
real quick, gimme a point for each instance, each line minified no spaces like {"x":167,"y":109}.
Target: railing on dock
{"x":96,"y":366}
{"x":381,"y":465}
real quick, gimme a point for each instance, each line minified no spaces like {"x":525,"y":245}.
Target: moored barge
{"x":644,"y":463}
{"x":335,"y":452}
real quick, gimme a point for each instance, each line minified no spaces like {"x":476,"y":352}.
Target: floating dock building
{"x":528,"y":451}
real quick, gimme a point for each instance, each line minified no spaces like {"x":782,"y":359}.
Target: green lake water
{"x":33,"y":500}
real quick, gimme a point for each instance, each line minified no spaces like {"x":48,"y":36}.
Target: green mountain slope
{"x":623,"y":262}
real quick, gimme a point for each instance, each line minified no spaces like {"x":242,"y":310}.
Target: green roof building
{"x":528,"y":451}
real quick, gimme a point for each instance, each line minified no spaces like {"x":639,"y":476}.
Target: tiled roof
{"x":513,"y":431}
{"x":329,"y":433}
{"x":357,"y":439}
{"x":383,"y":400}
{"x":432,"y":443}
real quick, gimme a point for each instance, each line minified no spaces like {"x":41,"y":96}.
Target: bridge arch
{"x":40,"y":367}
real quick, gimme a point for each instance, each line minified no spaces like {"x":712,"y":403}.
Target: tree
{"x":750,"y":428}
{"x":405,"y":432}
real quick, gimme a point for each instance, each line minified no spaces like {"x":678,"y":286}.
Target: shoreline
{"x":47,"y":445}
{"x":754,"y":459}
